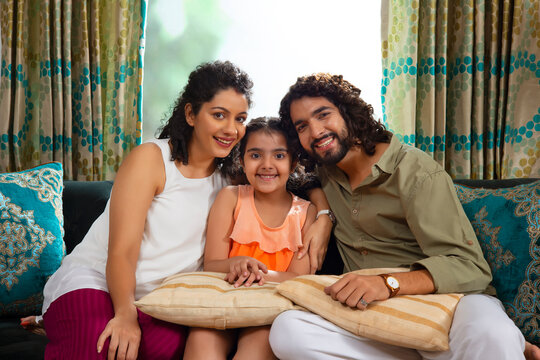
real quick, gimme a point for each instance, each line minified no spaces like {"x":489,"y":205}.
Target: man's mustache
{"x":327,"y":135}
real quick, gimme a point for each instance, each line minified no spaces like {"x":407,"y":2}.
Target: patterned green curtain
{"x":71,"y":84}
{"x":461,"y":81}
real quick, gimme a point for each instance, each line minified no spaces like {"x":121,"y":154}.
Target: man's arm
{"x":444,"y":233}
{"x":454,"y":262}
{"x":352,"y":288}
{"x":317,"y":237}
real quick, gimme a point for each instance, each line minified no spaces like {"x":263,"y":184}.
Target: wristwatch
{"x":329,"y":213}
{"x":391,"y":283}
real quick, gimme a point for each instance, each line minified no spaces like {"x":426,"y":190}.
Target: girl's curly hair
{"x":363,"y":129}
{"x":203,"y":84}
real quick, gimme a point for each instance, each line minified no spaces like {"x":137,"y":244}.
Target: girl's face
{"x":219,"y":125}
{"x":267,"y":163}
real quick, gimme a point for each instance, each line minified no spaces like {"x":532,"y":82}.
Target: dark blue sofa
{"x":83,"y":202}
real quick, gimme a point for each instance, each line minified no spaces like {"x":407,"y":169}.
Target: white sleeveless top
{"x":173,"y":238}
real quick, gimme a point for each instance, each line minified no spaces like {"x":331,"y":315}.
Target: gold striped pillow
{"x":204,"y":299}
{"x":415,"y":321}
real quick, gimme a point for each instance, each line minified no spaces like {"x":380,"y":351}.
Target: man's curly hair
{"x":203,"y":84}
{"x":363,"y":129}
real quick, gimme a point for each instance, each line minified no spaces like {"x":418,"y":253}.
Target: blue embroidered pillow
{"x":31,"y":236}
{"x":507,"y":224}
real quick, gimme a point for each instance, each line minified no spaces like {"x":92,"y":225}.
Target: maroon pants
{"x":75,"y":321}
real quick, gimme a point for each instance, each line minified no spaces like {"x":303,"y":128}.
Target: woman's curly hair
{"x":203,"y":84}
{"x":363,"y":129}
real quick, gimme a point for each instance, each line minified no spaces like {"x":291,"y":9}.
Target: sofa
{"x":82,"y":202}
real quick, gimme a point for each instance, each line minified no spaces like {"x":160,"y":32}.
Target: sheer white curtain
{"x":274,"y":41}
{"x":277,"y":41}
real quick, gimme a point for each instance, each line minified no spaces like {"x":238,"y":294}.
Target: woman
{"x":152,"y":227}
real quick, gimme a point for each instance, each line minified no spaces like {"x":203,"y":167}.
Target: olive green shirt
{"x":406,"y":214}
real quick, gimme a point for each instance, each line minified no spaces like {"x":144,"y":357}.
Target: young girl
{"x":253,"y":234}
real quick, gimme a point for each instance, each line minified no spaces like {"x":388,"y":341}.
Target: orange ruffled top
{"x":274,"y":247}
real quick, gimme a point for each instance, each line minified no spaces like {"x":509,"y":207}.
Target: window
{"x":273,"y":41}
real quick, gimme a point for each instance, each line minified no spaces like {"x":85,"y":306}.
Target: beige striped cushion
{"x":204,"y":299}
{"x":415,"y":321}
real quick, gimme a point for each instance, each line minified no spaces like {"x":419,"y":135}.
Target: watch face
{"x":392,"y":282}
{"x":332,"y":216}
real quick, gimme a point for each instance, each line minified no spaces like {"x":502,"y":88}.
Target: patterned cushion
{"x":31,"y":231}
{"x":507,"y":224}
{"x":415,"y":321}
{"x":204,"y":299}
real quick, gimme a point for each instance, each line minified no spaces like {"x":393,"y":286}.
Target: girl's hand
{"x":316,"y":242}
{"x":245,"y":270}
{"x":125,"y":335}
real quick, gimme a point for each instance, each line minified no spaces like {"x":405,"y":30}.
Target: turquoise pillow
{"x":31,"y":236}
{"x":507,"y":224}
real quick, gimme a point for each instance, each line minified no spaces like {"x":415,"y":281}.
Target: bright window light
{"x":273,"y":41}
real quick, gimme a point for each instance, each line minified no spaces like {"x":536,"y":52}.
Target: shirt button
{"x":365,"y":252}
{"x":354,"y":211}
{"x":470,"y":242}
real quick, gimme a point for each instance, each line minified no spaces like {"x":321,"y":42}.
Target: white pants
{"x":480,"y":330}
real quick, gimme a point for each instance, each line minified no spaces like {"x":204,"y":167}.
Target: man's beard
{"x":335,"y":156}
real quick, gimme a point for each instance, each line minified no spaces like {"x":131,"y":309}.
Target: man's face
{"x":321,"y":129}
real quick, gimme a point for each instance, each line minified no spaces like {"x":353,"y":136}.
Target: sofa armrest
{"x":83,"y":202}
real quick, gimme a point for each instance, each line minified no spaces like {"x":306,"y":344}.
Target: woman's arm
{"x":140,"y":177}
{"x":298,"y":266}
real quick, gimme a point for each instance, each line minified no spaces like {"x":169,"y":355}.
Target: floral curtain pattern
{"x":71,"y":84}
{"x":461,"y":81}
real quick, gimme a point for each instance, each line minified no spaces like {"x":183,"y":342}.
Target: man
{"x":395,"y":207}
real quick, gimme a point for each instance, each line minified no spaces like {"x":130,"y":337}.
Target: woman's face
{"x":219,"y":125}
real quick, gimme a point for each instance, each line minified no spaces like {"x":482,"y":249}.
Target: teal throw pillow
{"x":507,"y":224}
{"x":31,"y":236}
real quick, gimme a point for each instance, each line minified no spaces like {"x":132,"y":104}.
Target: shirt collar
{"x":387,"y":162}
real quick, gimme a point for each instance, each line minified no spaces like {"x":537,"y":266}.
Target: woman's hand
{"x":532,"y":352}
{"x":316,"y":242}
{"x":33,"y":324}
{"x":125,"y":335}
{"x":245,"y":270}
{"x":30,"y":321}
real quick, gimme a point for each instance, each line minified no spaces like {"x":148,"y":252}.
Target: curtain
{"x":461,"y":81}
{"x":71,"y":84}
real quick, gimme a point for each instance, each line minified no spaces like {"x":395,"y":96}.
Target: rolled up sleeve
{"x":445,"y":235}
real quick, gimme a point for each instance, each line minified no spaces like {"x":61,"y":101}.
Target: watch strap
{"x":329,"y":213}
{"x":393,"y":290}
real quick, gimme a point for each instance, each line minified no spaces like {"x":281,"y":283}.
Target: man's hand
{"x":316,"y":242}
{"x":358,"y":291}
